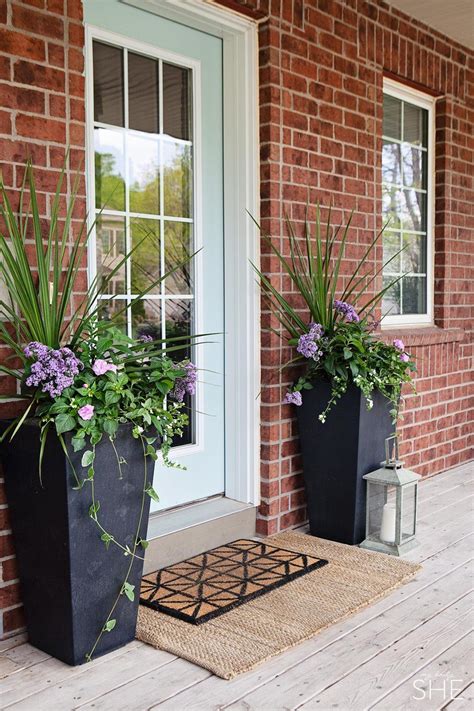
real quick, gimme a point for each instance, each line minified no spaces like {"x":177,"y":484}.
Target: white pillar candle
{"x":387,"y":529}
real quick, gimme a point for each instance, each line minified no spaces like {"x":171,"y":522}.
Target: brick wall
{"x":322,"y":64}
{"x":321,"y":68}
{"x":41,"y":112}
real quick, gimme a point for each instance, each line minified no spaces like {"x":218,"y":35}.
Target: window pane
{"x":414,"y":295}
{"x":391,"y":163}
{"x":143,"y":93}
{"x":112,"y":310}
{"x":178,"y":323}
{"x":391,"y":298}
{"x":178,"y":248}
{"x":392,"y":117}
{"x":146,"y":318}
{"x":110,"y":248}
{"x":414,"y":167}
{"x":109,"y":169}
{"x":108,"y":84}
{"x":391,"y":206}
{"x":391,"y":245}
{"x":177,"y":178}
{"x":415,"y":124}
{"x":414,"y":253}
{"x":145,"y":237}
{"x":413,"y":211}
{"x":143,"y":158}
{"x":177,"y":101}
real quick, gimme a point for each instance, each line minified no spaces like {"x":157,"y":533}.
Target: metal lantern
{"x":392,"y":499}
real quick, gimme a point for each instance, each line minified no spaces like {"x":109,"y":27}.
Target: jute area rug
{"x":246,"y":636}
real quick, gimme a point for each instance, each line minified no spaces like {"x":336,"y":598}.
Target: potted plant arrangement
{"x":348,"y":391}
{"x":78,"y":462}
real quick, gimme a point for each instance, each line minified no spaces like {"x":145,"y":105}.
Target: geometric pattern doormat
{"x":250,"y":634}
{"x":212,"y":583}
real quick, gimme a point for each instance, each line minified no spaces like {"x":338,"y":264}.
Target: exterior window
{"x":143,"y":170}
{"x":406,"y":205}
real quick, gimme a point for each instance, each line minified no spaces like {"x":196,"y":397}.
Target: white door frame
{"x":241,"y":239}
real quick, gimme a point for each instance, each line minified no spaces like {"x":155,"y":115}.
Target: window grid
{"x":400,"y":231}
{"x":128,"y":215}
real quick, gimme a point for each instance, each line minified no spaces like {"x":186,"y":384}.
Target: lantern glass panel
{"x":408,"y":511}
{"x":378,"y":496}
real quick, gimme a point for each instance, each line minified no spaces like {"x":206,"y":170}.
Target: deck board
{"x":370,"y":660}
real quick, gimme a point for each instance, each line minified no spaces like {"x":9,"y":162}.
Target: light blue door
{"x":155,"y":167}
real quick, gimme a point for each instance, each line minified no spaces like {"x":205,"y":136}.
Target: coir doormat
{"x":250,"y":634}
{"x":212,"y":583}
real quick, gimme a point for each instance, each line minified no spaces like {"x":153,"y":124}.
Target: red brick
{"x":38,"y":23}
{"x":38,"y":76}
{"x":42,"y":129}
{"x":17,"y":44}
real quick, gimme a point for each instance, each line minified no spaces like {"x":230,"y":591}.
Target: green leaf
{"x":141,"y":542}
{"x":347,"y":353}
{"x":110,"y":426}
{"x":150,"y":450}
{"x":94,"y":510}
{"x":107,"y":538}
{"x":87,"y":458}
{"x":64,"y":423}
{"x":152,"y":493}
{"x":108,"y":627}
{"x":111,"y":397}
{"x":128,"y":590}
{"x":78,"y":443}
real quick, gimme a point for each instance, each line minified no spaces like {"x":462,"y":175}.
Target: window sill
{"x":423,"y":336}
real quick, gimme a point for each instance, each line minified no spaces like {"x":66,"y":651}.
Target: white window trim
{"x":425,"y":101}
{"x":241,"y":239}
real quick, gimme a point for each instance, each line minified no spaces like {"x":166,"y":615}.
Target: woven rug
{"x":247,"y":635}
{"x":212,"y":583}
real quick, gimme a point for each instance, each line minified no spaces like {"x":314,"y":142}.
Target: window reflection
{"x":177,"y":179}
{"x":109,"y":169}
{"x":144,"y":174}
{"x":111,"y":250}
{"x":178,"y":246}
{"x":145,"y":267}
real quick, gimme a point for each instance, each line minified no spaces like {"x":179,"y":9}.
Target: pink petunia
{"x":404,"y":357}
{"x":86,"y":412}
{"x":100,"y":367}
{"x":398,"y":343}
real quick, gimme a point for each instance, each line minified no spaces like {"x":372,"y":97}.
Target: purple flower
{"x":346,"y":310}
{"x":185,"y":384}
{"x":293,"y":398}
{"x":53,"y":370}
{"x":307,"y":343}
{"x":398,"y":343}
{"x":100,"y":367}
{"x":86,"y":412}
{"x":145,"y":338}
{"x":404,"y":357}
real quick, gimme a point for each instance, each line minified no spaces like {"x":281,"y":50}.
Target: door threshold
{"x":189,"y":530}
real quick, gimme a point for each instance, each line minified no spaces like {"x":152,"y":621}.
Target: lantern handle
{"x":394,"y":458}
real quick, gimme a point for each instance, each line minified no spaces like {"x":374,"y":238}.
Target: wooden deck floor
{"x":387,"y":657}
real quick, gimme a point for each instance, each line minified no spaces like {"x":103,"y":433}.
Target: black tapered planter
{"x":337,"y":454}
{"x":68,"y":580}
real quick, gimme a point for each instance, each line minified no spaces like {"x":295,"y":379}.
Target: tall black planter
{"x":336,"y":455}
{"x":68,"y":579}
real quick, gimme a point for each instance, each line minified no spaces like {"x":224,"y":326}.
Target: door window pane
{"x":143,"y":101}
{"x":177,"y":178}
{"x":146,"y":318}
{"x":405,"y":205}
{"x":108,"y":84}
{"x":109,"y":169}
{"x":178,"y":249}
{"x":145,"y":259}
{"x":176,"y":101}
{"x":111,"y":250}
{"x":144,"y":174}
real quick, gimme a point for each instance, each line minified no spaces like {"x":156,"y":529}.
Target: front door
{"x":155,"y":170}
